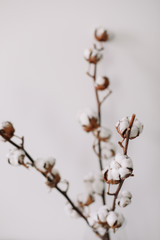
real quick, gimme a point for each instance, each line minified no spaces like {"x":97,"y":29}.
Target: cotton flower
{"x":92,"y":55}
{"x":124,"y":198}
{"x":7,"y":130}
{"x":16,"y":157}
{"x":101,"y":34}
{"x":123,"y":125}
{"x":101,"y":83}
{"x":88,"y":120}
{"x":119,"y":169}
{"x":103,"y":134}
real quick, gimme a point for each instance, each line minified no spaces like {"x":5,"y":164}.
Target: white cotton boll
{"x":119,"y":158}
{"x":93,"y":220}
{"x":127,"y":163}
{"x":134,"y":132}
{"x":114,"y":165}
{"x":50,"y":161}
{"x":100,"y":31}
{"x":108,"y":150}
{"x":120,"y":219}
{"x":87,"y":53}
{"x":124,"y":172}
{"x":105,"y":132}
{"x":89,"y":177}
{"x":126,"y":193}
{"x":70,"y":211}
{"x":109,"y":175}
{"x":16,"y":157}
{"x":98,"y":186}
{"x":39,"y":164}
{"x":115,"y":174}
{"x":138,"y":124}
{"x":102,"y":213}
{"x":112,"y":218}
{"x":94,"y":53}
{"x":83,"y":119}
{"x":124,"y":201}
{"x":100,"y":80}
{"x":54,"y":171}
{"x":82,"y":197}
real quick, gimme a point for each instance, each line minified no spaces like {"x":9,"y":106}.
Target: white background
{"x":42,"y":87}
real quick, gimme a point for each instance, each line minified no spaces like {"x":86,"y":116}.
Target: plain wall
{"x":42,"y":87}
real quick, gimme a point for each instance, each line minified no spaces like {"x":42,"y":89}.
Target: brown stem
{"x":125,"y":153}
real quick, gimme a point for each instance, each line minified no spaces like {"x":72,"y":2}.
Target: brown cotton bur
{"x":53,"y":182}
{"x":103,"y":86}
{"x":102,"y":37}
{"x":92,"y":126}
{"x":94,"y":59}
{"x":7,"y":130}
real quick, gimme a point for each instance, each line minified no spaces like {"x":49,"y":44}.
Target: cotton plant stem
{"x":99,"y":141}
{"x":125,"y":153}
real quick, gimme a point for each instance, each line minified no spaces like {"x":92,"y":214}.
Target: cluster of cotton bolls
{"x":88,"y":120}
{"x":16,"y":157}
{"x":46,"y":166}
{"x":124,"y":198}
{"x":92,"y":55}
{"x":123,"y":124}
{"x":119,"y":168}
{"x":105,"y":218}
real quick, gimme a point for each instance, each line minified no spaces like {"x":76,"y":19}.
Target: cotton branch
{"x":125,"y":153}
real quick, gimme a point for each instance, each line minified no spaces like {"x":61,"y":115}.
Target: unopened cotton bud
{"x":16,"y":157}
{"x":7,"y":130}
{"x":101,"y":34}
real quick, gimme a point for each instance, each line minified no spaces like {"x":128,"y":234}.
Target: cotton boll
{"x":102,"y":213}
{"x":16,"y":157}
{"x":126,"y":193}
{"x":114,"y":165}
{"x":89,"y":177}
{"x":119,"y":158}
{"x":7,"y":130}
{"x":39,"y":164}
{"x":100,"y":80}
{"x":124,"y":201}
{"x":124,"y":172}
{"x":134,"y":132}
{"x":83,"y":119}
{"x":70,"y":211}
{"x":49,"y":162}
{"x":112,"y":218}
{"x":127,"y":163}
{"x":87,"y":53}
{"x":93,"y":219}
{"x":108,"y":150}
{"x":98,"y":186}
{"x":115,"y":174}
{"x":120,"y":219}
